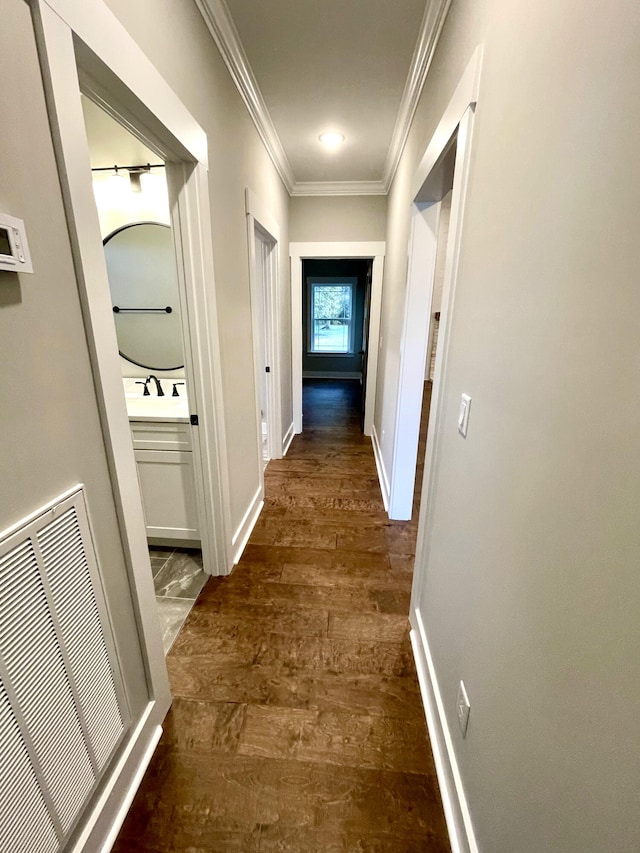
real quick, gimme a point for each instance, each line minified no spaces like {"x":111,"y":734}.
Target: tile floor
{"x":178,"y":579}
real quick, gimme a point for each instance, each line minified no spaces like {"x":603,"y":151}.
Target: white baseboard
{"x":133,"y":788}
{"x":103,"y":823}
{"x":454,"y":801}
{"x":286,"y":441}
{"x":242,"y":534}
{"x":382,"y":474}
{"x":332,"y":374}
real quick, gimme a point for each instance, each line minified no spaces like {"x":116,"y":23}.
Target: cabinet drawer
{"x":160,"y":436}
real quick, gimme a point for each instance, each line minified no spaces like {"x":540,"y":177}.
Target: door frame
{"x":335,"y":251}
{"x":423,"y":248}
{"x":457,"y":122}
{"x":427,"y":192}
{"x":74,"y":41}
{"x":260,"y":219}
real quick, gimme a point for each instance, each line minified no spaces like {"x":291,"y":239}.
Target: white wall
{"x":173,"y":35}
{"x":529,"y":588}
{"x":339,"y":218}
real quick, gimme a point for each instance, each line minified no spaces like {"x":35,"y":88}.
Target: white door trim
{"x":142,"y":96}
{"x":458,"y":120}
{"x":189,"y":191}
{"x":139,"y":90}
{"x":420,"y":279}
{"x":258,"y":215}
{"x":99,"y":29}
{"x":302,"y":251}
{"x":423,"y":245}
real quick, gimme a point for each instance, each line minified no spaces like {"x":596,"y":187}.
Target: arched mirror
{"x":144,"y":292}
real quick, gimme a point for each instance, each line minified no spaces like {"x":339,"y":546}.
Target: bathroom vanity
{"x":143,"y":282}
{"x":161,"y":434}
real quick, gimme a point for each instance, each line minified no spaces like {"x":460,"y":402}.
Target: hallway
{"x":297,"y":723}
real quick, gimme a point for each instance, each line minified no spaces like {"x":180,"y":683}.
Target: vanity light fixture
{"x":331,"y":138}
{"x":135,"y":173}
{"x":118,"y":182}
{"x":134,"y":179}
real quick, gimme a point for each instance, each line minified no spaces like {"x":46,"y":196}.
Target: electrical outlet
{"x":463,"y":707}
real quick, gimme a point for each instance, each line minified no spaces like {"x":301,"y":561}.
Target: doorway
{"x":372,"y":252}
{"x":94,"y":55}
{"x":263,"y":237}
{"x":335,"y":319}
{"x":419,"y":355}
{"x":263,"y":278}
{"x":452,"y":139}
{"x":263,"y":249}
{"x":132,"y":202}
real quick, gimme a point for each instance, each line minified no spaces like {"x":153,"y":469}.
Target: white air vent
{"x":26,"y":826}
{"x":62,"y":708}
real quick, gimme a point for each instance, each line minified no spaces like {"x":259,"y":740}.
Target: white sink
{"x":158,"y":408}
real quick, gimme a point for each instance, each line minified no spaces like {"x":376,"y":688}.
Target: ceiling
{"x":307,"y":66}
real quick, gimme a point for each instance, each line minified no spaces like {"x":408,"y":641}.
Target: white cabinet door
{"x":168,"y":493}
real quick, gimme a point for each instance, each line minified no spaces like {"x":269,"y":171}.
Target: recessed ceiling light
{"x":331,"y":138}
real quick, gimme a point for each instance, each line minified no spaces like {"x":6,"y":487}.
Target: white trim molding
{"x":457,"y":119}
{"x":288,"y":438}
{"x":254,"y":206}
{"x":308,"y":188}
{"x":382,"y":474}
{"x":465,"y":96}
{"x":130,"y":767}
{"x":225,"y":35}
{"x":242,"y":534}
{"x":430,"y":30}
{"x":423,"y":246}
{"x":454,"y":801}
{"x":456,"y":123}
{"x":263,"y":242}
{"x":74,"y":36}
{"x":97,"y":26}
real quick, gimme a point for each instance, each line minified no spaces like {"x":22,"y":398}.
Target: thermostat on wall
{"x":14,"y":249}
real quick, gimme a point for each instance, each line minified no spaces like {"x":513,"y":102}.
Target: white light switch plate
{"x":463,"y":416}
{"x":463,"y":708}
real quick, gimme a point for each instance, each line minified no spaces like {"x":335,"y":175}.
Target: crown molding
{"x":428,"y":37}
{"x":223,"y":31}
{"x":302,"y":188}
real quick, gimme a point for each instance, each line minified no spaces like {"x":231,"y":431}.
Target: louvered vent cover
{"x":62,"y":708}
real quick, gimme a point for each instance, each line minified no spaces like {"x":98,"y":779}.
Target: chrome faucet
{"x":159,"y":390}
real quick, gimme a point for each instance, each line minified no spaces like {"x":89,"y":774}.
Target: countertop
{"x":165,"y":409}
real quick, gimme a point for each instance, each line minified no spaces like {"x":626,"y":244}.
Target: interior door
{"x":262,"y":332}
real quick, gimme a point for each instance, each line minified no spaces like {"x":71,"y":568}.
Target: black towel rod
{"x":118,"y":310}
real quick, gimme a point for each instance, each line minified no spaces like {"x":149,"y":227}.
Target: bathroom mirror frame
{"x":162,"y":310}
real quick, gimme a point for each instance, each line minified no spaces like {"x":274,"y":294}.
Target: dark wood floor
{"x":297,"y":723}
